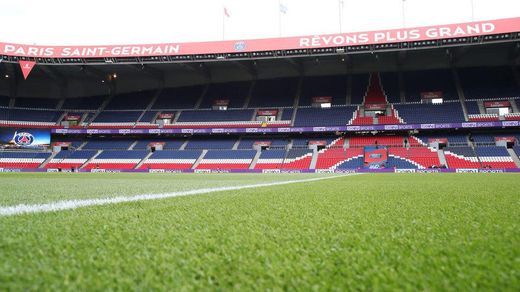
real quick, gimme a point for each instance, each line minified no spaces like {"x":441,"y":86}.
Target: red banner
{"x":263,"y":143}
{"x":267,"y":112}
{"x":321,"y":99}
{"x":318,"y":142}
{"x":438,"y":140}
{"x":166,"y":116}
{"x":62,"y":144}
{"x":221,"y":102}
{"x":501,"y":103}
{"x":72,"y":118}
{"x":375,"y":107}
{"x":27,"y":67}
{"x":469,"y":29}
{"x":153,"y":144}
{"x":431,"y":94}
{"x":508,"y":139}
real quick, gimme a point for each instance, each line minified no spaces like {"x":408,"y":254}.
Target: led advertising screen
{"x":24,"y":138}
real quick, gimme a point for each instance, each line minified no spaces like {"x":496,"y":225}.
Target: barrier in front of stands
{"x":203,"y":171}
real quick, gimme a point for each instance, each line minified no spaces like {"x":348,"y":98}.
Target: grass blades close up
{"x":367,"y":232}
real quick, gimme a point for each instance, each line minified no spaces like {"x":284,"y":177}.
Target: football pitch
{"x":260,"y":232}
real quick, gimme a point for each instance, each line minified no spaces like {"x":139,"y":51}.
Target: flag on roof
{"x":226,"y":12}
{"x":283,"y":8}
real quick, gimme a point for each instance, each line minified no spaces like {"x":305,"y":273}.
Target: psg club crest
{"x":240,"y":46}
{"x":23,"y":139}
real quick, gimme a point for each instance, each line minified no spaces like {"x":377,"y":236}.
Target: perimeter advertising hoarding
{"x":24,"y":138}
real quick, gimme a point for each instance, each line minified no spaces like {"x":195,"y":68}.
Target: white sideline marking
{"x":74,"y":204}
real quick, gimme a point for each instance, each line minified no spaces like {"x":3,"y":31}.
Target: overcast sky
{"x":91,"y":22}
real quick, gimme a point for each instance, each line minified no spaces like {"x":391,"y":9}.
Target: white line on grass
{"x":74,"y":204}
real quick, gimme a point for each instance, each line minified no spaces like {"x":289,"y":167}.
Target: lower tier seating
{"x":12,"y":159}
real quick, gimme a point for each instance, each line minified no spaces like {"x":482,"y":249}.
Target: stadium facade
{"x":430,"y":99}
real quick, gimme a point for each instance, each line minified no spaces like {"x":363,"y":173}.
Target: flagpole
{"x":223,"y":23}
{"x":280,"y":18}
{"x":340,"y":8}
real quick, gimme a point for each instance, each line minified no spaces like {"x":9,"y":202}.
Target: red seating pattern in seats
{"x":375,"y":93}
{"x":396,"y":141}
{"x":175,"y":166}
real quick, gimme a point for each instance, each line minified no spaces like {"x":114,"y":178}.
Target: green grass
{"x":369,"y":232}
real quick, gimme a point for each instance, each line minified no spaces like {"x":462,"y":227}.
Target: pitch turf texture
{"x":366,"y":232}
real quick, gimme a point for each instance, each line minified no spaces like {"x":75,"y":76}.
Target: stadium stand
{"x":131,"y":101}
{"x":297,"y":159}
{"x":495,"y":157}
{"x":274,"y":93}
{"x":235,"y":92}
{"x":114,"y":159}
{"x":201,"y":143}
{"x":429,"y":80}
{"x":270,"y":159}
{"x":227,"y":159}
{"x":216,"y":116}
{"x":171,"y":159}
{"x":108,"y":145}
{"x":4,"y":101}
{"x":67,"y":159}
{"x":178,"y":98}
{"x":22,"y":159}
{"x":37,"y":102}
{"x":38,"y":117}
{"x":461,"y":157}
{"x":336,"y":116}
{"x":449,"y":112}
{"x":488,"y":82}
{"x":84,"y":103}
{"x":390,"y":84}
{"x":333,"y":86}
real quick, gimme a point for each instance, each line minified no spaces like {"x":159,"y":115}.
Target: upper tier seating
{"x":235,"y":92}
{"x":201,"y":143}
{"x":274,"y":93}
{"x":429,"y":80}
{"x":171,"y":159}
{"x":67,"y":159}
{"x":131,"y":101}
{"x":450,"y":112}
{"x":4,"y":100}
{"x":336,"y":116}
{"x":488,"y":82}
{"x":27,"y":102}
{"x":117,"y":117}
{"x":375,"y":93}
{"x":472,"y":107}
{"x":108,"y":144}
{"x":495,"y":157}
{"x":39,"y":116}
{"x":216,"y":116}
{"x":359,"y":87}
{"x":396,"y":141}
{"x":483,"y":139}
{"x":148,"y":117}
{"x":22,"y":159}
{"x":169,"y":144}
{"x":227,"y":159}
{"x":453,"y":139}
{"x":278,"y":143}
{"x":84,"y":103}
{"x":390,"y":83}
{"x":287,"y":114}
{"x":334,"y":86}
{"x":178,"y":98}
